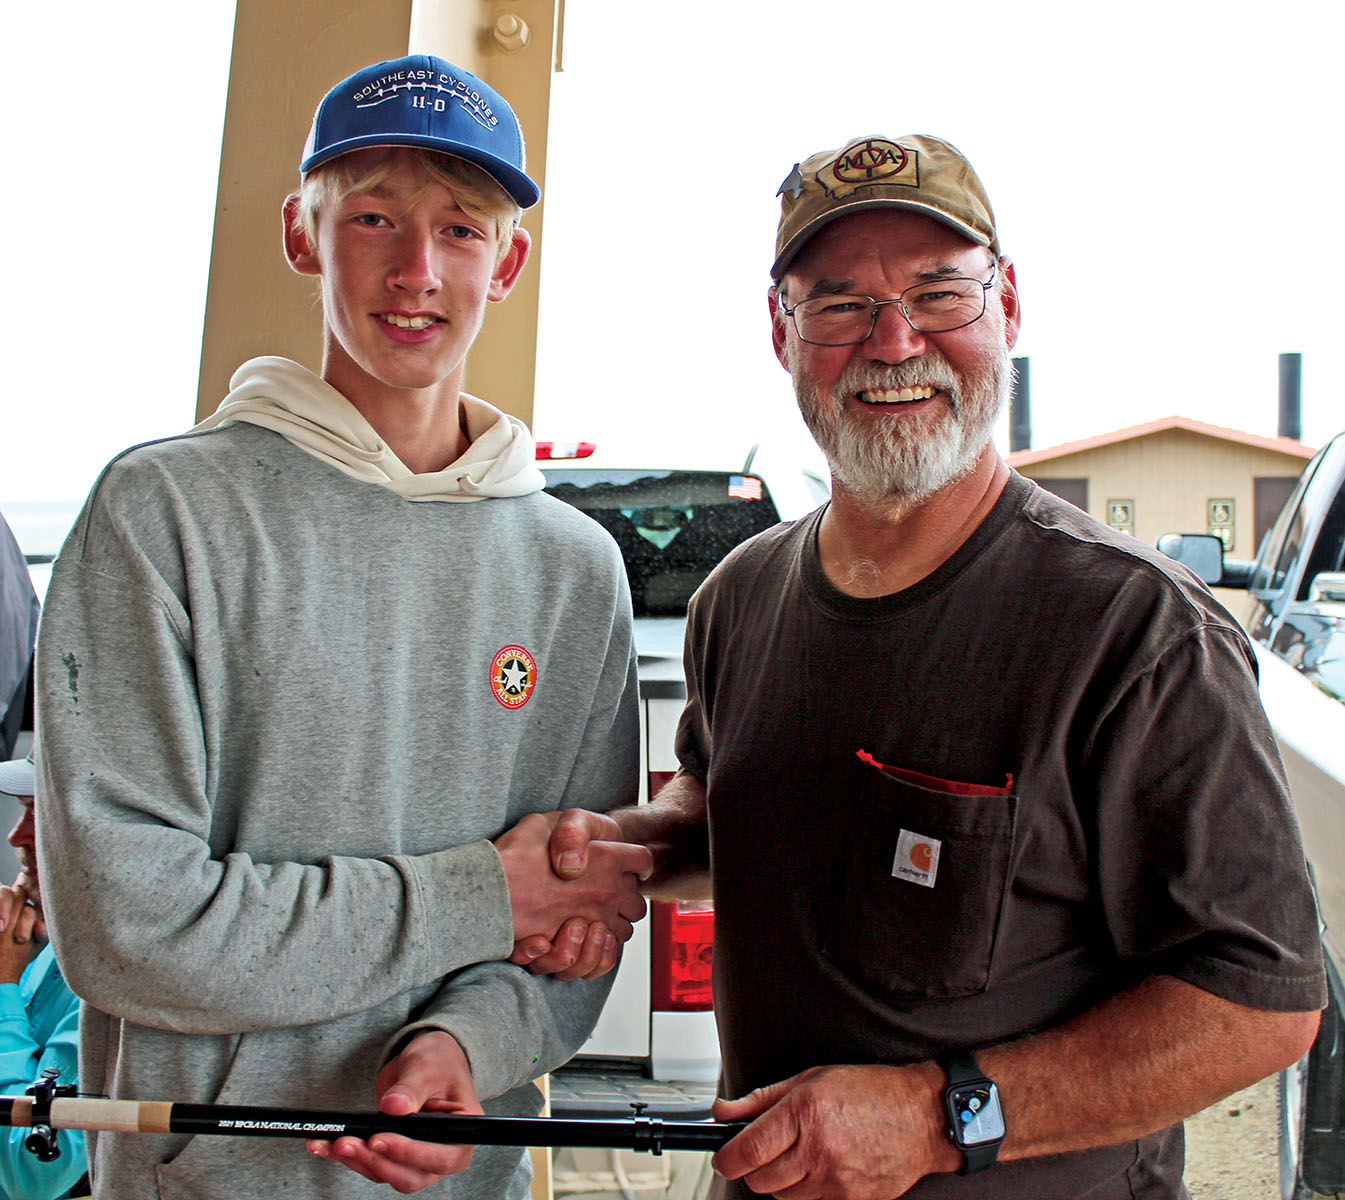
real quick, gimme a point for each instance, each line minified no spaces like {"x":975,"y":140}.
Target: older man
{"x":1006,"y":874}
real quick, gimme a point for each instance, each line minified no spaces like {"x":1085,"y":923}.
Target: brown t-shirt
{"x":1086,"y":793}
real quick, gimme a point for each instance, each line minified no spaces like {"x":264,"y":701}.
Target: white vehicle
{"x":1296,"y":621}
{"x":655,"y":1042}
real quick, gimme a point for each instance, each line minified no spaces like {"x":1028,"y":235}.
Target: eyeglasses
{"x":934,"y":307}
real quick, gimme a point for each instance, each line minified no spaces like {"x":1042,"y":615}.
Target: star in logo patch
{"x":513,"y":676}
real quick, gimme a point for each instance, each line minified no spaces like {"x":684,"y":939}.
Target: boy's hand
{"x":580,"y":951}
{"x":430,"y":1075}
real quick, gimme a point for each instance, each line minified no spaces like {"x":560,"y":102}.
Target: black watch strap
{"x":962,"y":1069}
{"x":978,"y":1158}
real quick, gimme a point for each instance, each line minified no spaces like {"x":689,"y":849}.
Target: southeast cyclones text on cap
{"x":423,"y":101}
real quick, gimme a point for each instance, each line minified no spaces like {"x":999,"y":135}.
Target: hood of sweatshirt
{"x":289,"y":399}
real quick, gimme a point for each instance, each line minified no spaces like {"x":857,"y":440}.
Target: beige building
{"x":1174,"y":475}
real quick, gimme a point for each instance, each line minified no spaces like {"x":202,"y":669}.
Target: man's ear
{"x":299,"y":250}
{"x":778,"y":320}
{"x":510,"y":267}
{"x":1013,"y":314}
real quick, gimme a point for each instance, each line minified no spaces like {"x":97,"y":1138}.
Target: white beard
{"x":900,"y":463}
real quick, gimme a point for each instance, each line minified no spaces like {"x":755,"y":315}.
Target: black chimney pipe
{"x":1291,"y":396}
{"x":1020,"y":407}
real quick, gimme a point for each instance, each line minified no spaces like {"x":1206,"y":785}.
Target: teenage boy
{"x":308,"y":674}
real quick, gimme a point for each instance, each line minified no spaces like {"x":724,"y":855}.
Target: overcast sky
{"x":1166,"y":178}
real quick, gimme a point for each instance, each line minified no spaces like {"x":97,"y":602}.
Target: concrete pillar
{"x":502,"y":367}
{"x":285,"y":57}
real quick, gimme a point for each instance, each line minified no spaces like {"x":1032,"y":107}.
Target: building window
{"x":1121,"y":516}
{"x":1219,"y":521}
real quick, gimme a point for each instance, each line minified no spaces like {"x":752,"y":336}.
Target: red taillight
{"x":684,"y":945}
{"x":565,"y":449}
{"x":684,"y":950}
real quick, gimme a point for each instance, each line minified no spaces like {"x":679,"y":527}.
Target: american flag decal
{"x":744,"y":487}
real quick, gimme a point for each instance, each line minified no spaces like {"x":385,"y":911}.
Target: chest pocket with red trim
{"x":916,"y":933}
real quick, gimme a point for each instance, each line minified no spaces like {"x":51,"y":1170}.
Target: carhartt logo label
{"x":513,"y":676}
{"x":432,"y":90}
{"x":876,"y":161}
{"x":917,"y":858}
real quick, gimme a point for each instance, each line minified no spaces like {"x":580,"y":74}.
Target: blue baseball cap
{"x":421,"y":100}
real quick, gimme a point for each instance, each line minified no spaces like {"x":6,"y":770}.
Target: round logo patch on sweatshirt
{"x":513,"y":675}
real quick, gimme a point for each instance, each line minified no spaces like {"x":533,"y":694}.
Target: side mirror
{"x":1203,"y":555}
{"x":1326,"y":587}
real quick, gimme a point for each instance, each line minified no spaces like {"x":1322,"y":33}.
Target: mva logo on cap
{"x":915,"y":172}
{"x":871,"y":162}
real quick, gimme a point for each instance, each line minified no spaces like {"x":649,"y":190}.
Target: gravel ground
{"x":1231,"y":1147}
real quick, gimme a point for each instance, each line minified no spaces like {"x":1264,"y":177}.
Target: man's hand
{"x":845,"y":1133}
{"x":21,"y":928}
{"x":430,"y":1075}
{"x":571,"y":832}
{"x":574,"y":901}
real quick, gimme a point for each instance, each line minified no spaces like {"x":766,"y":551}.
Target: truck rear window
{"x":673,"y":527}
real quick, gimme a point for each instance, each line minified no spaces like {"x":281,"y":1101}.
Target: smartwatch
{"x":975,"y":1119}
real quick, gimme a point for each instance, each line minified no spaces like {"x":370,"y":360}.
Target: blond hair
{"x":475,"y":191}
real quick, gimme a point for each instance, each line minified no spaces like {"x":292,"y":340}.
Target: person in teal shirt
{"x":39,"y":1014}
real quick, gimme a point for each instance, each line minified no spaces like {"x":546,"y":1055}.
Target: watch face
{"x":976,"y":1114}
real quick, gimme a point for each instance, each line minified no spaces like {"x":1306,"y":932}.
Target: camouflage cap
{"x":917,"y":172}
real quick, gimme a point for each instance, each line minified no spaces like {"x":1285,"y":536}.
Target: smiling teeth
{"x":896,"y":395}
{"x":407,"y":322}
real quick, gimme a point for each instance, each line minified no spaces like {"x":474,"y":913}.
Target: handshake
{"x":574,"y":890}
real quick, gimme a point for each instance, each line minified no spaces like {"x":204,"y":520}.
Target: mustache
{"x":914,"y":372}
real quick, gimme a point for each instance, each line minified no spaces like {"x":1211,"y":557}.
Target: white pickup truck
{"x":656,"y":1043}
{"x":1297,"y":623}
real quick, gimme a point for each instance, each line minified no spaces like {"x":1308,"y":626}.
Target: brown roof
{"x":1283,"y":445}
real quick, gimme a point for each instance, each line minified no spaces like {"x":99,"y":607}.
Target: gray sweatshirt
{"x":277,"y":738}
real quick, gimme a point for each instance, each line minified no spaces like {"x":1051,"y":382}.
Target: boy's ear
{"x":299,"y":251}
{"x":510,"y":266}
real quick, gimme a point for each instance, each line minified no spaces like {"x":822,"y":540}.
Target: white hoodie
{"x":289,"y":399}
